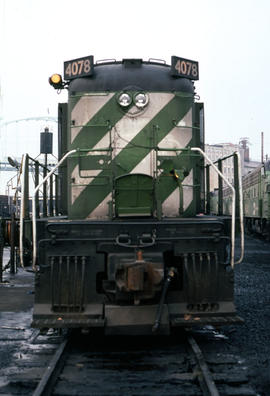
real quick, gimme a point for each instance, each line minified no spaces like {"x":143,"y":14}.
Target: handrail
{"x":241,"y":210}
{"x":22,"y":211}
{"x":34,"y":226}
{"x":233,"y":200}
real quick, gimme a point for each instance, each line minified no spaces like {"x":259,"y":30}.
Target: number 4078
{"x":76,"y":68}
{"x":187,"y":68}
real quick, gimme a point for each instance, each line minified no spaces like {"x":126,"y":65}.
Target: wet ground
{"x":252,"y":297}
{"x":16,"y":302}
{"x":251,"y":341}
{"x":16,"y":291}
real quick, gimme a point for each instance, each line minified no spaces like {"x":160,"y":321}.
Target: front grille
{"x":67,"y":283}
{"x":201,"y":276}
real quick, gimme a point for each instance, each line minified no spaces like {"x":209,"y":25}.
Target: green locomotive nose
{"x":133,"y":251}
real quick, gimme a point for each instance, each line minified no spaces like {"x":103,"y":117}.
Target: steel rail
{"x":46,"y":384}
{"x":206,"y":381}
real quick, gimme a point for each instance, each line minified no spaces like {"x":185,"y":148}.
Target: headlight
{"x":141,"y":100}
{"x":124,"y":99}
{"x":56,"y":81}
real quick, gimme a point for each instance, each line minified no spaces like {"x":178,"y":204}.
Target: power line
{"x":45,"y":118}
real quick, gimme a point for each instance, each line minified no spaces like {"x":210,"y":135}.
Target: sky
{"x":229,"y":39}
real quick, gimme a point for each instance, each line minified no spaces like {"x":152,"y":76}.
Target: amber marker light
{"x":56,"y":81}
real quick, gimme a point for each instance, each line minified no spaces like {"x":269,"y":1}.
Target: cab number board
{"x":181,"y":67}
{"x":81,"y":67}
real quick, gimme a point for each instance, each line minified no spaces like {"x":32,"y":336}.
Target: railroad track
{"x":52,"y":371}
{"x":158,"y":366}
{"x":30,"y":353}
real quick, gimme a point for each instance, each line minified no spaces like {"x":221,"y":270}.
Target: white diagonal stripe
{"x":178,"y":137}
{"x":188,"y":190}
{"x":122,"y":133}
{"x":129,"y":126}
{"x":170,"y":207}
{"x":147,"y":165}
{"x":102,"y":210}
{"x":85,"y":109}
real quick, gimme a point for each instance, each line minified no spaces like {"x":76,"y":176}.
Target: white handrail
{"x":233,"y":200}
{"x":22,"y":211}
{"x":34,"y":225}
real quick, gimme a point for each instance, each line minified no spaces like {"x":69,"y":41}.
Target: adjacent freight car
{"x":133,"y":251}
{"x":256,"y":195}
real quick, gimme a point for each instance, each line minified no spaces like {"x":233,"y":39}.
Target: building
{"x":223,"y":150}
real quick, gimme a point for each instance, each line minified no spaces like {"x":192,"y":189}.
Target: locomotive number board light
{"x":181,"y":67}
{"x":80,"y":67}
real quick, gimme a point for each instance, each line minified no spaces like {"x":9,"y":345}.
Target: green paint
{"x":147,"y":139}
{"x":167,"y":183}
{"x":134,"y":195}
{"x":97,"y":127}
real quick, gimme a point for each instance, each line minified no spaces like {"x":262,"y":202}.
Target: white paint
{"x":85,"y":109}
{"x":170,"y":207}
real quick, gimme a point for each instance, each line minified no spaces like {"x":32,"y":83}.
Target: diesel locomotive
{"x":255,"y":201}
{"x":256,"y":195}
{"x":132,"y":250}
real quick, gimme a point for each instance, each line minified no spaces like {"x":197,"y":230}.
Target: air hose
{"x":170,"y":275}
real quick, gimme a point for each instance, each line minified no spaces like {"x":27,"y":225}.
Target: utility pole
{"x":262,"y":147}
{"x":45,"y":148}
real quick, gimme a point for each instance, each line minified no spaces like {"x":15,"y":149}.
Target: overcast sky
{"x":229,"y":39}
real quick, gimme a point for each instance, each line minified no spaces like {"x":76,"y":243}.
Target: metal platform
{"x":192,"y":320}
